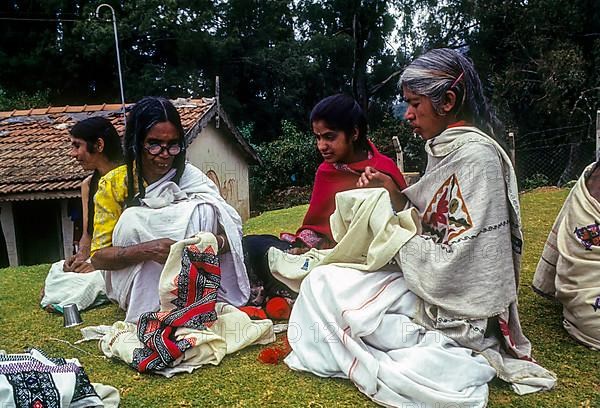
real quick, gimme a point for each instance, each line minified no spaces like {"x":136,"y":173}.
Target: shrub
{"x":290,"y":160}
{"x":535,"y":181}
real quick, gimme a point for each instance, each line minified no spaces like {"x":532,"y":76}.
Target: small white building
{"x":40,"y":200}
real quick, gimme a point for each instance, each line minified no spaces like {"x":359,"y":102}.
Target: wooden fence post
{"x":511,"y":147}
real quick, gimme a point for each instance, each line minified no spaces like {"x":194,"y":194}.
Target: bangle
{"x":220,"y":245}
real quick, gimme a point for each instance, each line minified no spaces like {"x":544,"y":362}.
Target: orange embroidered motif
{"x":447,"y":215}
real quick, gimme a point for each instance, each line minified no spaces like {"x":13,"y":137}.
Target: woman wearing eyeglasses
{"x":152,"y":201}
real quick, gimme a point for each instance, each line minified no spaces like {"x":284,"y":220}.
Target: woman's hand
{"x":372,"y":177}
{"x":298,"y":250}
{"x":158,"y":249}
{"x":78,"y":263}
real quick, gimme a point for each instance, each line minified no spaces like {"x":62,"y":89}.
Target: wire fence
{"x":552,"y":165}
{"x":552,"y":157}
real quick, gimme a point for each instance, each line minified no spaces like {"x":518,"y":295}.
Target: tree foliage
{"x":276,"y":59}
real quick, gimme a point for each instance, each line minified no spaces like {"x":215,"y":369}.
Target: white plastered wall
{"x":215,"y":152}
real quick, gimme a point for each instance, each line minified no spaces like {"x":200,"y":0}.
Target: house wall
{"x":216,"y":154}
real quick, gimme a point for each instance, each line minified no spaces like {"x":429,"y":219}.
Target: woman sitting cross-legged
{"x":340,"y":128}
{"x":96,"y":146}
{"x":419,"y":307}
{"x":155,"y":199}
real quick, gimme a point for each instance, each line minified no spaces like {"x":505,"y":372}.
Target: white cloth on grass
{"x":86,"y":290}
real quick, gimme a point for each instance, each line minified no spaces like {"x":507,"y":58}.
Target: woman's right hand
{"x":158,"y":249}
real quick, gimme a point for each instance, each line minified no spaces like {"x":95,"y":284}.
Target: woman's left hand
{"x":372,"y":177}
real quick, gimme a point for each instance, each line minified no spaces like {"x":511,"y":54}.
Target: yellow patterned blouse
{"x":109,"y":204}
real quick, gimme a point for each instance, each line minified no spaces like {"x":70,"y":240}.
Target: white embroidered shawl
{"x":569,"y":266}
{"x":467,"y":261}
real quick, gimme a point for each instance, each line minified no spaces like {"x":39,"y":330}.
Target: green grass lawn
{"x":241,"y":381}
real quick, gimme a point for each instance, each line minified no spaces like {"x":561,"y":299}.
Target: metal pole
{"x":597,"y":135}
{"x":114,"y":20}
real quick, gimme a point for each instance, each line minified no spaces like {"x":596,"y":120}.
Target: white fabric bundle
{"x":83,"y":289}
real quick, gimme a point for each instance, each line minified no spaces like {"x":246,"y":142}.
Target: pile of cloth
{"x":191,"y":328}
{"x":34,"y":380}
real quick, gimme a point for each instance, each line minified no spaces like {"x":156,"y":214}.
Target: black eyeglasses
{"x":156,"y":149}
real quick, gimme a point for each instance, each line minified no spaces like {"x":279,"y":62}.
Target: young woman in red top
{"x":350,"y":161}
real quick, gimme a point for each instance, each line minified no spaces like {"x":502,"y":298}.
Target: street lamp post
{"x":114,"y":20}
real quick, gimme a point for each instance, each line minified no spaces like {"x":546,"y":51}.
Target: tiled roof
{"x":34,"y":145}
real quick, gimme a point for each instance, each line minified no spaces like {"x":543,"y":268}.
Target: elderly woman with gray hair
{"x":440,"y":296}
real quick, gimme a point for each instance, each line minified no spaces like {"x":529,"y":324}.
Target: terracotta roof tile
{"x":34,"y":144}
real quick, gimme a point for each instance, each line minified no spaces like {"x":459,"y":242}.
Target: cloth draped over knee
{"x":86,"y":290}
{"x":191,"y":328}
{"x":177,"y":211}
{"x":569,"y":268}
{"x":461,"y":258}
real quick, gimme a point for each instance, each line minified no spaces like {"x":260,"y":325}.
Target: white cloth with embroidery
{"x":570,"y":265}
{"x":368,"y":235}
{"x":34,"y":380}
{"x":458,"y":276}
{"x":176,"y":211}
{"x":232,"y":331}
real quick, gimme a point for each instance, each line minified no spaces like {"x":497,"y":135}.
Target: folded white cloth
{"x":34,"y":380}
{"x":83,"y":289}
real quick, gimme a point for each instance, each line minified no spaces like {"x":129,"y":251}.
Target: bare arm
{"x":372,"y":177}
{"x":112,"y":258}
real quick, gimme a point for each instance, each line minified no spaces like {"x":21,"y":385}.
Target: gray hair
{"x":440,"y":70}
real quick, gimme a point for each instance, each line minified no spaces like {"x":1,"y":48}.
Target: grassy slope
{"x":241,"y":381}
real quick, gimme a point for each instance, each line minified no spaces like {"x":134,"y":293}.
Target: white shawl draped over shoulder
{"x":174,"y":211}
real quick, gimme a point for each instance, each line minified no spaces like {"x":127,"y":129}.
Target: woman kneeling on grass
{"x":438,"y":319}
{"x":340,"y":128}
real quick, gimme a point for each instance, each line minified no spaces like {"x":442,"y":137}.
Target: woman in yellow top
{"x":96,"y":146}
{"x":155,"y":199}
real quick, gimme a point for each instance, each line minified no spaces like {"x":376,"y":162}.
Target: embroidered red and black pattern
{"x":196,"y":296}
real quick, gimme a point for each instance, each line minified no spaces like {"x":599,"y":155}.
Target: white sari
{"x":176,"y":211}
{"x":425,"y":328}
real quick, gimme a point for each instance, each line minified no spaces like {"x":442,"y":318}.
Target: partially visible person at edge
{"x":340,"y":128}
{"x":445,"y":300}
{"x":569,"y":268}
{"x":96,"y":146}
{"x":155,"y":199}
